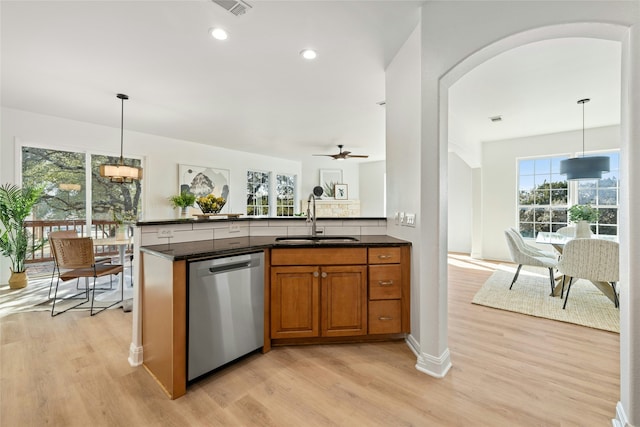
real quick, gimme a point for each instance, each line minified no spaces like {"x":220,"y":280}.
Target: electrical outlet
{"x":402,"y":218}
{"x":396,"y":218}
{"x":234,"y":228}
{"x":411,"y":220}
{"x":165,"y":233}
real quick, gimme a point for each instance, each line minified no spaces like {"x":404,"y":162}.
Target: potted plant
{"x":15,"y":240}
{"x":183,"y":201}
{"x":582,"y":216}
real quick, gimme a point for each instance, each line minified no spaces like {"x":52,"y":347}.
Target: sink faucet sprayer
{"x":311,"y":217}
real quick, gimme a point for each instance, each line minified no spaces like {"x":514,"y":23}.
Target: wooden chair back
{"x":68,"y":234}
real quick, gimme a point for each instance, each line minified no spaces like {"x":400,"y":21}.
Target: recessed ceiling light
{"x":218,"y":33}
{"x":308,"y":54}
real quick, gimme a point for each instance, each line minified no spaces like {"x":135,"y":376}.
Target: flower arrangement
{"x":583,"y":213}
{"x":210,"y":203}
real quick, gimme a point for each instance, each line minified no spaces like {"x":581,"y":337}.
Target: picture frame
{"x":204,"y":180}
{"x":341,"y":192}
{"x":328,"y":179}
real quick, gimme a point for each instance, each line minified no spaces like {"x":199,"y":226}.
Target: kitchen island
{"x":314,"y":292}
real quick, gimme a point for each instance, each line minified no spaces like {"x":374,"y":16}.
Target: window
{"x":603,"y":194}
{"x":285,"y":194}
{"x":257,"y":193}
{"x":544,"y":195}
{"x":63,"y":175}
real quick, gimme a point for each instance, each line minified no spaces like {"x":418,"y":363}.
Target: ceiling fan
{"x":342,"y":154}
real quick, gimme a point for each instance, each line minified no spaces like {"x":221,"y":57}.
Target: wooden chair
{"x":597,"y":260}
{"x":75,"y":256}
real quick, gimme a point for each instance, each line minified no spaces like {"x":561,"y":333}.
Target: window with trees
{"x":257,"y":193}
{"x":544,"y":195}
{"x":285,"y":194}
{"x":66,"y":196}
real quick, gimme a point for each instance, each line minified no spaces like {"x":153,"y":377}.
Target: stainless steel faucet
{"x":311,"y":216}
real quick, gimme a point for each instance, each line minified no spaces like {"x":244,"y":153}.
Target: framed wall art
{"x":203,"y":180}
{"x":340,"y":192}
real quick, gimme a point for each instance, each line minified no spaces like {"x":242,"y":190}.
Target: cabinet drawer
{"x":320,"y":256}
{"x":384,"y":317}
{"x":386,"y":255}
{"x":385,"y":281}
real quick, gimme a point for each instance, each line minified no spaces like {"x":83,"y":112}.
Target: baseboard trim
{"x":413,"y":345}
{"x":135,"y":355}
{"x":435,"y":366}
{"x":621,"y":419}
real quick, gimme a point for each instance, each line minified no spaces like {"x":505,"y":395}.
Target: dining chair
{"x":75,"y":259}
{"x":597,"y":260}
{"x":523,"y":256}
{"x":531,"y":250}
{"x":70,"y":234}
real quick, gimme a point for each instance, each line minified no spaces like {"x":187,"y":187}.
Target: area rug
{"x":587,"y":306}
{"x":35,"y":296}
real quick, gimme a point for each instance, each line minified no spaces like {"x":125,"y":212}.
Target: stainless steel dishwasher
{"x":225,"y":312}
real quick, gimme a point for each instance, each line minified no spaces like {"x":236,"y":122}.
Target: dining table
{"x":127,"y":291}
{"x":557,"y":241}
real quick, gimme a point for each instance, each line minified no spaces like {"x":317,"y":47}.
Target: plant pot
{"x":583,"y":230}
{"x":18,"y":280}
{"x":183,"y":212}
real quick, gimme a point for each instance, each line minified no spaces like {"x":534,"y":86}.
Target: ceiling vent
{"x":496,"y":119}
{"x":236,"y":7}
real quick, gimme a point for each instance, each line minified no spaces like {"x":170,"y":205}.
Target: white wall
{"x":372,"y":187}
{"x":499,"y":177}
{"x":403,"y":158}
{"x":461,"y":209}
{"x":311,"y":174}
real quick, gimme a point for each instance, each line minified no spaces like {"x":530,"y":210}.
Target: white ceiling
{"x":255,"y":93}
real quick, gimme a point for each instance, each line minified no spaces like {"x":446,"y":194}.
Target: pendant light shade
{"x":121,"y":173}
{"x":584,"y":167}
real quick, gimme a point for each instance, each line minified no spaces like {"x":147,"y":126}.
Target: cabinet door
{"x":344,"y":301}
{"x":295,"y":302}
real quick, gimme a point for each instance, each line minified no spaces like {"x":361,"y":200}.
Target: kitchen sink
{"x":315,"y":239}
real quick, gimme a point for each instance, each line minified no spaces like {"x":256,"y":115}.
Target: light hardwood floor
{"x":508,"y":370}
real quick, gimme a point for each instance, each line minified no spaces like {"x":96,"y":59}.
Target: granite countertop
{"x":249,"y":218}
{"x":239,"y":245}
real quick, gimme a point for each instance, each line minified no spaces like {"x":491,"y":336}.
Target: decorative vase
{"x":583,"y":230}
{"x":183,"y":212}
{"x":121,"y":232}
{"x":18,"y":280}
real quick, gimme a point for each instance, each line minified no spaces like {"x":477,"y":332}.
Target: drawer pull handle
{"x":385,"y":318}
{"x":384,"y":256}
{"x":385,"y":282}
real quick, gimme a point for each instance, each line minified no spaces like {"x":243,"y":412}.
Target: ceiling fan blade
{"x":358,"y":155}
{"x":328,"y":155}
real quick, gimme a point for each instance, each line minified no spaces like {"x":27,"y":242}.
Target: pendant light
{"x":584,"y":167}
{"x":121,"y":173}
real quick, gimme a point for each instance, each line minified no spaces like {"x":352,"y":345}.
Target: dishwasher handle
{"x":225,"y":268}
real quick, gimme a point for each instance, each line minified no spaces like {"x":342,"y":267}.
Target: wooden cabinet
{"x":322,"y":293}
{"x":388,"y":277}
{"x":318,"y":300}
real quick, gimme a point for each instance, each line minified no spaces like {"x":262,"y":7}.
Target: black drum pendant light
{"x":121,"y":173}
{"x":584,"y":167}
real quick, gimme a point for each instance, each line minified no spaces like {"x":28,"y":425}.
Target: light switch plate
{"x":411,"y":220}
{"x":396,"y":218}
{"x":402,"y":219}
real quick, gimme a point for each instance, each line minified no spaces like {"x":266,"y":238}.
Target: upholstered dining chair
{"x":75,"y":259}
{"x":597,"y":260}
{"x":529,"y":249}
{"x":522,"y":256}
